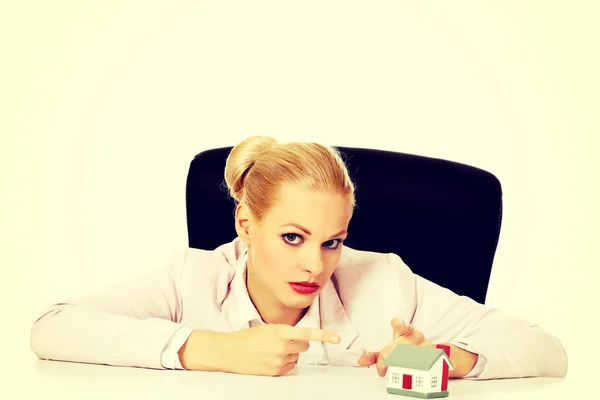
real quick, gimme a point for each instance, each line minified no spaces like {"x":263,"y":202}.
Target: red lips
{"x":311,"y":284}
{"x":304,"y":287}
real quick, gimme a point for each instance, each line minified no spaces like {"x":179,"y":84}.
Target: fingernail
{"x":336,"y":339}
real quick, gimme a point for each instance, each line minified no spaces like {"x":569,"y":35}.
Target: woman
{"x":287,"y":291}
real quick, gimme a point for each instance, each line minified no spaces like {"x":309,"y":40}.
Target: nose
{"x":314,"y":263}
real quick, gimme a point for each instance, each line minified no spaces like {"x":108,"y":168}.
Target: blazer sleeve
{"x":129,"y":324}
{"x":508,"y":347}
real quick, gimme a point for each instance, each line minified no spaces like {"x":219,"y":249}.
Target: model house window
{"x":396,"y":377}
{"x":434,"y":381}
{"x":419,"y":381}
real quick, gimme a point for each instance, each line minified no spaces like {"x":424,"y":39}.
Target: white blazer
{"x":131,"y":324}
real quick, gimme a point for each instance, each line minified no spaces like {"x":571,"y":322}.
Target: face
{"x":299,"y":240}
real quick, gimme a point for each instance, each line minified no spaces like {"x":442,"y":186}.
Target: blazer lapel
{"x":335,"y":319}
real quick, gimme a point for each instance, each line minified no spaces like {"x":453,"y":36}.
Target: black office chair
{"x":442,"y":218}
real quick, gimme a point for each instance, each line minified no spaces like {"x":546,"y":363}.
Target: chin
{"x":299,"y":301}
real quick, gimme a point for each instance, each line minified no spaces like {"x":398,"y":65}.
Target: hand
{"x":271,"y":350}
{"x":404,"y":333}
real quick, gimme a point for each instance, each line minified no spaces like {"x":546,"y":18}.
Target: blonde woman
{"x":287,"y":291}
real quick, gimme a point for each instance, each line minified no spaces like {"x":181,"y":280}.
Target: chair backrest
{"x":441,"y":217}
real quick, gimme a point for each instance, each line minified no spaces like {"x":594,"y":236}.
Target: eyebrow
{"x":308,"y":232}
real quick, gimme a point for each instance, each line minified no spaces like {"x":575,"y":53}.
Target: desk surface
{"x":62,"y":380}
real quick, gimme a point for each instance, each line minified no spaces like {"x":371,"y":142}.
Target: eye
{"x":333,"y":244}
{"x":292,"y":238}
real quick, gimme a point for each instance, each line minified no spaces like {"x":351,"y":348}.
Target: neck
{"x":270,"y":309}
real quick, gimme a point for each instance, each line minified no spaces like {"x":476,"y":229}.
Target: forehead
{"x":319,"y":211}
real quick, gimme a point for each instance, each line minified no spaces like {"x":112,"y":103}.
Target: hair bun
{"x":241,"y":158}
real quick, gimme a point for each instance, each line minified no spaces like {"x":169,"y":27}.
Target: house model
{"x":419,"y":371}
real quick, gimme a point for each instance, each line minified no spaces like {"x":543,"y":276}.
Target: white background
{"x":104,"y":104}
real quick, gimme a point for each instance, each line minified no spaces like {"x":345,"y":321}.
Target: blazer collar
{"x":335,"y":319}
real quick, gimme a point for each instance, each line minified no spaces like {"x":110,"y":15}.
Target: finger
{"x":297,"y":346}
{"x":310,"y":334}
{"x":401,"y":328}
{"x":383,"y":354}
{"x":283,"y":370}
{"x":291,"y":358}
{"x":287,"y":368}
{"x":395,"y":328}
{"x":368,"y":359}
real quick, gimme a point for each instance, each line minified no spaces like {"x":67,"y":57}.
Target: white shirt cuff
{"x":479,"y":365}
{"x":170,"y":357}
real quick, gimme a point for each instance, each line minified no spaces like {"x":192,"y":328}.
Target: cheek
{"x":331,"y":261}
{"x":269,"y":258}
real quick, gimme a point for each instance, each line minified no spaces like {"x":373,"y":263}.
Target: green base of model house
{"x":418,"y":394}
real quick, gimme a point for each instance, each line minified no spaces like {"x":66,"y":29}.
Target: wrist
{"x":463,"y":361}
{"x":203,"y":351}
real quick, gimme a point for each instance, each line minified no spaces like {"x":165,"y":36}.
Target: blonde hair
{"x":258,"y":166}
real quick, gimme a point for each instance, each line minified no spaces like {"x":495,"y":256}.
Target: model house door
{"x":406,"y":381}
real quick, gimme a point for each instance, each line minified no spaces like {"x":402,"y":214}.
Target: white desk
{"x":60,"y":380}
